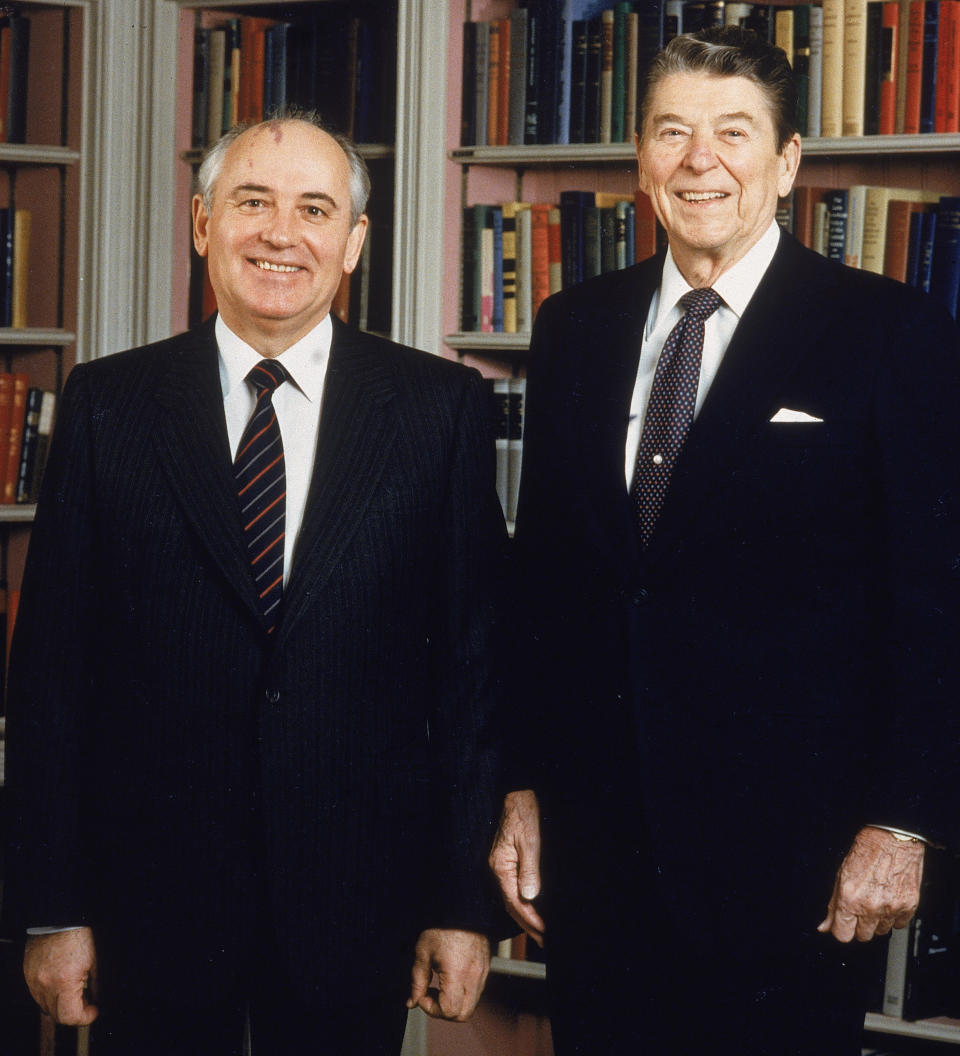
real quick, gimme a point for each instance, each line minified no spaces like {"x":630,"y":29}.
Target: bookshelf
{"x":495,"y":174}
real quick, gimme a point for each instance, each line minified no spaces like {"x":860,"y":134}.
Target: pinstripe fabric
{"x":262,"y":489}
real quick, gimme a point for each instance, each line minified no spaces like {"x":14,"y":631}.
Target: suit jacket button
{"x":272,"y":696}
{"x":641,"y":597}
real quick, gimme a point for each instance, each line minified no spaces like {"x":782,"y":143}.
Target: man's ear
{"x":355,"y":242}
{"x":200,"y":220}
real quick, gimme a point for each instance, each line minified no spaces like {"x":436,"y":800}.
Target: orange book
{"x":644,"y":226}
{"x":897,"y":247}
{"x":15,"y":433}
{"x":890,"y":22}
{"x":503,"y":85}
{"x":493,"y":85}
{"x":6,"y":410}
{"x":539,"y":254}
{"x":947,"y":112}
{"x":4,"y":82}
{"x":252,"y":62}
{"x":804,"y":212}
{"x":914,"y":71}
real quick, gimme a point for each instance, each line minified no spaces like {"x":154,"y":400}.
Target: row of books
{"x":515,"y":254}
{"x":14,"y":56}
{"x":26,"y":422}
{"x":507,"y":395}
{"x":874,"y":68}
{"x":910,"y":235}
{"x":329,"y":60}
{"x":557,"y":72}
{"x":15,"y":231}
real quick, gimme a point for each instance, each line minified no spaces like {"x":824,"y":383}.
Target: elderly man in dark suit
{"x":253,"y":660}
{"x":739,"y":530}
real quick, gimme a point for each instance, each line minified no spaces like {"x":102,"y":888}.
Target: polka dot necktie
{"x":262,"y":487}
{"x":673,"y":399}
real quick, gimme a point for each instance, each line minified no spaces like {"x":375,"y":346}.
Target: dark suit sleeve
{"x":915,"y":757}
{"x":46,"y":875}
{"x":468,"y":657}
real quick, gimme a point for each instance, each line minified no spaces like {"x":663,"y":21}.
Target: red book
{"x":17,"y":411}
{"x":503,"y":85}
{"x":6,"y":410}
{"x":804,"y":211}
{"x":644,"y":226}
{"x":911,"y":112}
{"x":897,"y":247}
{"x":252,"y":63}
{"x":4,"y":83}
{"x":493,"y":85}
{"x":947,"y":113}
{"x":890,"y":23}
{"x":539,"y":254}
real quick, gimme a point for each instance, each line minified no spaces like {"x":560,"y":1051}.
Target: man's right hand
{"x":61,"y":972}
{"x":515,"y":860}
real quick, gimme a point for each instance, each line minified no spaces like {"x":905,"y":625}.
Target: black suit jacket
{"x":180,"y":778}
{"x":779,"y":668}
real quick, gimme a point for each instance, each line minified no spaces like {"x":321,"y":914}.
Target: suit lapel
{"x":191,"y":441}
{"x":357,"y":431}
{"x":767,"y":347}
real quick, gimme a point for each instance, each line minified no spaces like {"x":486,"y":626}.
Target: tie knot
{"x":267,"y":375}
{"x":701,"y":303}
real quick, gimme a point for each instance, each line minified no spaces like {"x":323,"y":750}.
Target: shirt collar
{"x":305,"y":362}
{"x":736,"y":285}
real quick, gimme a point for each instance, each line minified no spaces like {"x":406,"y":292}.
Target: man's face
{"x":709,"y":162}
{"x":278,"y":236}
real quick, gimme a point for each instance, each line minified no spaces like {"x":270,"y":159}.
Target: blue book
{"x":928,"y":234}
{"x":928,"y":84}
{"x":571,"y":11}
{"x":914,"y":243}
{"x":836,"y":202}
{"x":495,"y":220}
{"x":945,"y":262}
{"x":573,"y":208}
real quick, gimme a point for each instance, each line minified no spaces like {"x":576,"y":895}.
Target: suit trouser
{"x":630,"y":975}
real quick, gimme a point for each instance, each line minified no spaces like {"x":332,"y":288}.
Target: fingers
{"x":60,"y":972}
{"x":877,"y":888}
{"x":515,"y":861}
{"x":419,"y":978}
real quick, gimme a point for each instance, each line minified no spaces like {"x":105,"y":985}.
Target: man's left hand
{"x":877,"y":887}
{"x":461,"y":961}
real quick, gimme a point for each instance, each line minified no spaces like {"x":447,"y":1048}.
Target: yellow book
{"x":21,"y":267}
{"x":831,"y":102}
{"x":854,"y":65}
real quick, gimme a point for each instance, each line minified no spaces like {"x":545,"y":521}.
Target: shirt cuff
{"x":904,"y":835}
{"x":53,"y":931}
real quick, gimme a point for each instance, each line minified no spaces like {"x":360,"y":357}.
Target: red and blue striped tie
{"x":262,"y":487}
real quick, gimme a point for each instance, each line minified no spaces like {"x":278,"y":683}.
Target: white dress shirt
{"x":736,"y":286}
{"x":297,"y":403}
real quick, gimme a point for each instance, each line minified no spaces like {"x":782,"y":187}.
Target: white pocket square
{"x":786,"y":415}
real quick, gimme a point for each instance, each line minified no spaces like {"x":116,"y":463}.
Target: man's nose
{"x":700,"y":155}
{"x":281,"y":228}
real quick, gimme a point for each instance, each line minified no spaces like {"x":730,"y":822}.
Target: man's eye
{"x":253,"y":203}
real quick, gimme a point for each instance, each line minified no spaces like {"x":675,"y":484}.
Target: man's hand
{"x":461,"y":960}
{"x":515,"y":860}
{"x":61,"y":972}
{"x":877,"y":887}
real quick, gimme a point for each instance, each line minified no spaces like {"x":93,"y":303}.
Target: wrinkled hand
{"x":515,"y":860}
{"x":461,"y":961}
{"x":61,"y":973}
{"x":877,"y":887}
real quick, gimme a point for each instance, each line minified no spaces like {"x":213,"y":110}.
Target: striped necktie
{"x":673,"y":399}
{"x":262,"y":487}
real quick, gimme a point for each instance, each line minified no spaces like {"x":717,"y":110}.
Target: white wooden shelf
{"x":35,"y":336}
{"x":17,"y":513}
{"x":489,"y":343}
{"x":518,"y":969}
{"x":940,"y":1029}
{"x":31,"y":154}
{"x":585,"y":154}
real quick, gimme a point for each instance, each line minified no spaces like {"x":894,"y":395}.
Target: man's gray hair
{"x":212,"y":164}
